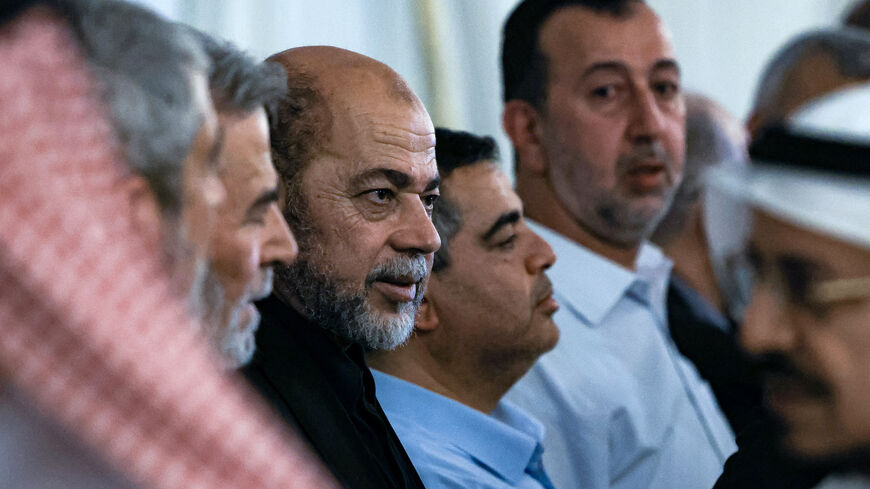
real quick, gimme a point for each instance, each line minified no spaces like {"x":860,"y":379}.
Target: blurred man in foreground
{"x":485,"y":319}
{"x":99,"y":255}
{"x":810,"y":250}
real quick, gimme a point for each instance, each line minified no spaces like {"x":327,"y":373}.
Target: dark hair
{"x":455,"y":149}
{"x":9,"y":9}
{"x":238,"y":83}
{"x":524,"y":66}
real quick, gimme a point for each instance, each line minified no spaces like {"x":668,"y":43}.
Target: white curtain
{"x":448,"y":50}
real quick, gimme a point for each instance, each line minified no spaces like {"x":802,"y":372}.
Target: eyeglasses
{"x":793,"y":279}
{"x":843,"y":289}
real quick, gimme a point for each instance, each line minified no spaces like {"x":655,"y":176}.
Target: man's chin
{"x":827,"y":456}
{"x":238,"y":344}
{"x":385,"y":330}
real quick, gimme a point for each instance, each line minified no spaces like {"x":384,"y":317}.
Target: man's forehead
{"x":482,"y":190}
{"x":775,"y":237}
{"x":638,"y":38}
{"x":245,"y":153}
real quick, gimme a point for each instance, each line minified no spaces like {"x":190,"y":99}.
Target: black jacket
{"x":328,"y":394}
{"x":715,"y":353}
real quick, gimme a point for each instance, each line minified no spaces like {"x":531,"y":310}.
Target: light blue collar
{"x":504,"y":442}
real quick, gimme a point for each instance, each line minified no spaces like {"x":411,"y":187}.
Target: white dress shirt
{"x":622,"y":407}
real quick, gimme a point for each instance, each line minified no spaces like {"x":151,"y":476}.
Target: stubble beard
{"x":627,"y":222}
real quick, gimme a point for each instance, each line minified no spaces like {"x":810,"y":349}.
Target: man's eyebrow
{"x":666,"y":64}
{"x":265,"y":199}
{"x":506,"y":219}
{"x":397,"y":178}
{"x":662,"y":64}
{"x":433,"y":184}
{"x":604,"y":66}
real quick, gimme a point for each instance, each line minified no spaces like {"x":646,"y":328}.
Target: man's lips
{"x":785,"y":393}
{"x":546,"y":301}
{"x":396,"y":291}
{"x":646,"y":174}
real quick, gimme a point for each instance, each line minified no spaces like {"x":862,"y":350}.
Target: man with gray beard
{"x":250,"y":235}
{"x":355,"y":154}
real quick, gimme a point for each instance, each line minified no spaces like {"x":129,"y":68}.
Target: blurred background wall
{"x":448,"y":50}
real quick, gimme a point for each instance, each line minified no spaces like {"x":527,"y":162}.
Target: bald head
{"x":713,"y":137}
{"x":341,"y":72}
{"x":355,"y":151}
{"x":326,"y":86}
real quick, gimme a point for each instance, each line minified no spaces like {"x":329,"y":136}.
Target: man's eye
{"x":604,"y":92}
{"x":429,"y":201}
{"x":508,"y":243}
{"x":666,"y":90}
{"x":380,"y":196}
{"x":256,"y":217}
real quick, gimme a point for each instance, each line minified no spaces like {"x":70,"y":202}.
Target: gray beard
{"x":221,"y":325}
{"x":346,"y":312}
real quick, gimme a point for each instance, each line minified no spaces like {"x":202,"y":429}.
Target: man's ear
{"x":145,"y":212}
{"x":426,"y":319}
{"x":522,"y":123}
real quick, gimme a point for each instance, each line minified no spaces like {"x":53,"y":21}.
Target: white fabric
{"x":842,"y":114}
{"x":622,"y":408}
{"x":831,"y":204}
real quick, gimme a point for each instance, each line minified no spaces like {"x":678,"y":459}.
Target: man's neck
{"x":290,"y":299}
{"x":692,"y":262}
{"x":542,"y":206}
{"x":471,"y":390}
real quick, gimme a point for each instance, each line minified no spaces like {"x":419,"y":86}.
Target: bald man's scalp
{"x":323,"y":82}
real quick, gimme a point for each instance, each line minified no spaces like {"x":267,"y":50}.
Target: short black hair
{"x":524,"y":67}
{"x":453,"y":150}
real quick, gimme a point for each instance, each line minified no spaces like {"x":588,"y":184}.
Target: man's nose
{"x":765,"y":329}
{"x":647,"y":119}
{"x":277,"y":242}
{"x":541,"y":257}
{"x":415,"y":231}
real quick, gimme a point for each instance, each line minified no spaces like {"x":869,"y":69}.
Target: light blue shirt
{"x":622,"y":408}
{"x":454,"y":446}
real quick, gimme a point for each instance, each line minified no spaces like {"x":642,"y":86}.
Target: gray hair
{"x":239,"y":84}
{"x":849,"y":48}
{"x":144,"y":65}
{"x":713,"y":137}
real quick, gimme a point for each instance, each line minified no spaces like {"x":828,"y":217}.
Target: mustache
{"x":643,"y":153}
{"x":542,"y":289}
{"x":410,"y":269}
{"x":778,"y":368}
{"x":264,"y":287}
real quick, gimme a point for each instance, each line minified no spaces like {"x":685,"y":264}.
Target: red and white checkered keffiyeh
{"x":90,"y":330}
